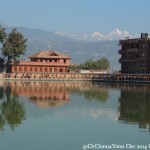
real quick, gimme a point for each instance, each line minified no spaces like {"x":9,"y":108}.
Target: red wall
{"x":40,"y":67}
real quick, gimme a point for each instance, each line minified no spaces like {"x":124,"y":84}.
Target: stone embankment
{"x":77,"y":76}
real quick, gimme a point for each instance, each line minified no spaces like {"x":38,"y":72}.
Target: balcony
{"x":135,"y":50}
{"x":127,"y":60}
{"x":142,"y":58}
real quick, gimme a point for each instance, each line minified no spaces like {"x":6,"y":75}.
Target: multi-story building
{"x":135,"y":55}
{"x":42,"y":62}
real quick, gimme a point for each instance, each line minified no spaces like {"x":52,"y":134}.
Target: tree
{"x":89,"y":64}
{"x":2,"y":34}
{"x":101,"y":63}
{"x":13,"y":44}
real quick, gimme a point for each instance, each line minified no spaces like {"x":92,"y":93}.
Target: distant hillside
{"x":40,"y":35}
{"x":79,"y":50}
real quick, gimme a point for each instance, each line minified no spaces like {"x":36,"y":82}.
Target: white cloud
{"x":98,"y":113}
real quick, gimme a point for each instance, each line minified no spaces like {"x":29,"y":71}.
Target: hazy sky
{"x":78,"y":16}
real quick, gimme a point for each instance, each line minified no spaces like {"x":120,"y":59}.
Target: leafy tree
{"x":89,"y":64}
{"x":13,"y":44}
{"x":2,"y":34}
{"x":101,"y":63}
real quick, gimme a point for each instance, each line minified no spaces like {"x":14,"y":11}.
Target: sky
{"x":77,"y":16}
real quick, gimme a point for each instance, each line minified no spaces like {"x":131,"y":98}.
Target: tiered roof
{"x":49,"y":54}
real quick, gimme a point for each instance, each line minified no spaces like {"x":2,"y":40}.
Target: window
{"x":143,"y":45}
{"x":55,"y":60}
{"x":33,"y":59}
{"x":41,"y":69}
{"x":136,"y":45}
{"x":20,"y":68}
{"x":53,"y":54}
{"x":132,"y":45}
{"x":30,"y":68}
{"x":45,"y":69}
{"x":25,"y":68}
{"x":143,"y":54}
{"x":15,"y":68}
{"x":35,"y":69}
{"x":128,"y":46}
{"x":55,"y":69}
{"x":50,"y":69}
{"x":64,"y":60}
{"x":60,"y":70}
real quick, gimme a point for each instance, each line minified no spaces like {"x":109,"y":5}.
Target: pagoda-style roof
{"x":48,"y":54}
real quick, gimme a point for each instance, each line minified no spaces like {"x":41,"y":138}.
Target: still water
{"x":73,"y":115}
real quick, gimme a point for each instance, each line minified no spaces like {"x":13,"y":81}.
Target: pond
{"x":74,"y":115}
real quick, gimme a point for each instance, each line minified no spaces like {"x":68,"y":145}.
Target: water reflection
{"x":91,"y":90}
{"x":50,"y":94}
{"x":12,"y":111}
{"x":133,"y":100}
{"x":135,"y":105}
{"x":43,"y":94}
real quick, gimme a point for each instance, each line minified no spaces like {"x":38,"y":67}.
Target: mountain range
{"x":79,"y":47}
{"x":97,"y":36}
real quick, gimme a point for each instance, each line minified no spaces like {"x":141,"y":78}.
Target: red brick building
{"x":43,"y":62}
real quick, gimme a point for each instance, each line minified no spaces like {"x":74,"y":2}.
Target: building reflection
{"x":43,"y":94}
{"x":135,"y":105}
{"x":50,"y":94}
{"x":134,"y":99}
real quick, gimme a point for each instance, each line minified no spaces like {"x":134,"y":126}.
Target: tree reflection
{"x":2,"y":122}
{"x":1,"y":93}
{"x":92,"y":91}
{"x":101,"y":95}
{"x":135,"y":105}
{"x":54,"y":93}
{"x":12,"y":111}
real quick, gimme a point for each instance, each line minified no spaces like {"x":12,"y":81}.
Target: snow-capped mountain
{"x":71,"y":44}
{"x":117,"y":34}
{"x":97,"y":36}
